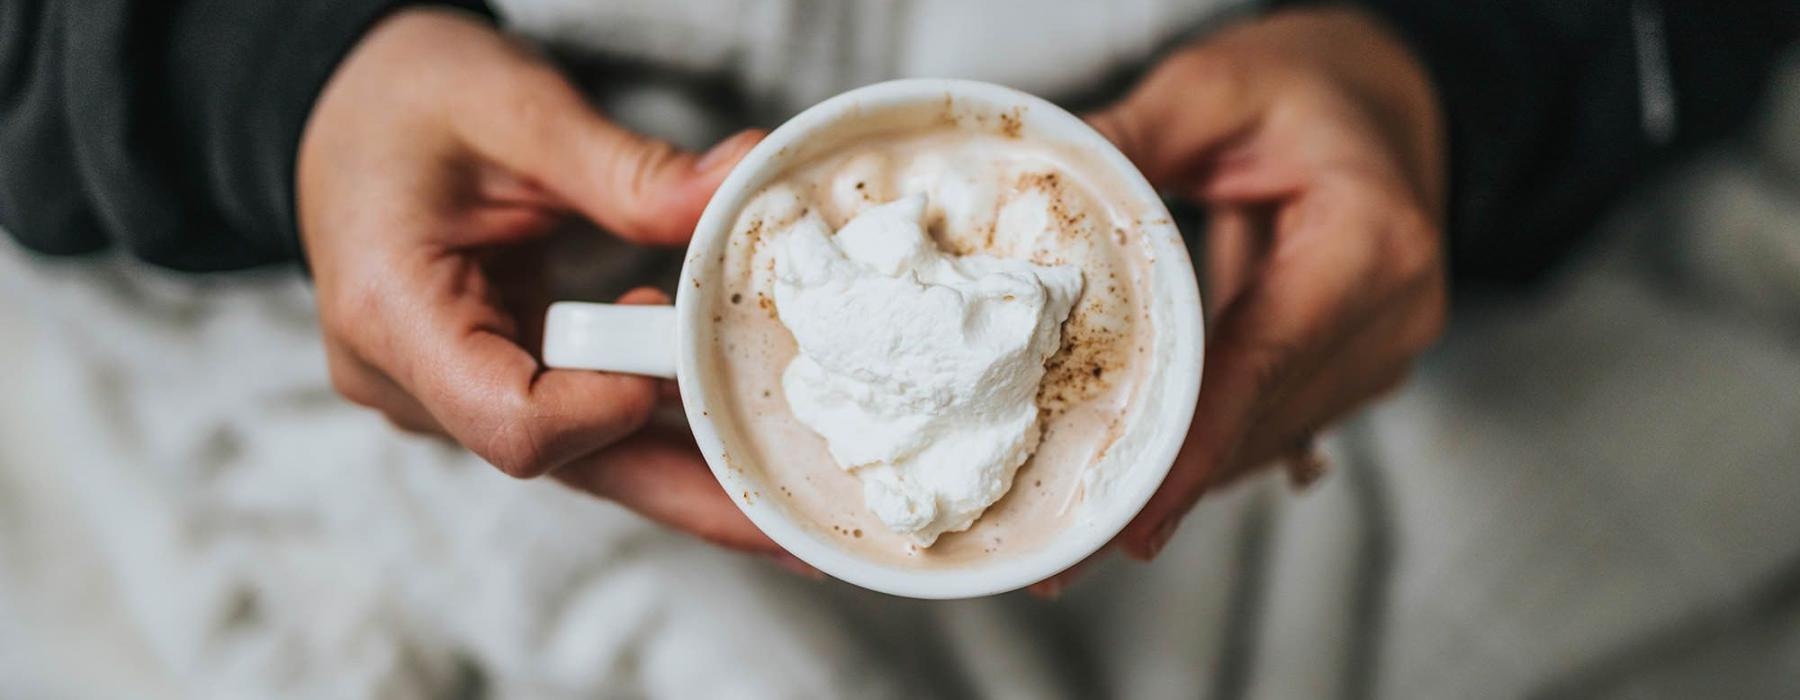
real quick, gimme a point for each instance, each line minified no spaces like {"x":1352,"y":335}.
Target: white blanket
{"x":1589,"y":491}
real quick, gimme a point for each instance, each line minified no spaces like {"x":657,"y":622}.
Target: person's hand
{"x":437,"y":151}
{"x":1314,"y":140}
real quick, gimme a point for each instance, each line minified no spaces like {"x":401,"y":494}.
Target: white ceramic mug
{"x":666,"y":341}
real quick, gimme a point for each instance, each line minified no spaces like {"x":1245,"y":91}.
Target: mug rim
{"x":985,"y":577}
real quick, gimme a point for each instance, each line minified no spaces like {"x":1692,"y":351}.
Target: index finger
{"x":492,"y":396}
{"x":466,"y":367}
{"x":660,"y":474}
{"x":1188,"y":108}
{"x":1316,"y":285}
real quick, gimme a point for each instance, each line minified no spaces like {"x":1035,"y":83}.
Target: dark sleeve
{"x":1555,"y":106}
{"x":168,"y":128}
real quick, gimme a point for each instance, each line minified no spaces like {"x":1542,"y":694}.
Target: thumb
{"x":1181,"y":114}
{"x":640,"y":188}
{"x":643,"y":189}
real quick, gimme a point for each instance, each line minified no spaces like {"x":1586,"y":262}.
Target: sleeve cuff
{"x":323,"y":34}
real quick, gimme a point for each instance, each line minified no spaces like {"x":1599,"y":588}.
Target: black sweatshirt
{"x":1554,"y":107}
{"x":171,"y":128}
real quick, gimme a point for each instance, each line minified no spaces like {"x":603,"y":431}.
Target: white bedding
{"x":1587,"y":491}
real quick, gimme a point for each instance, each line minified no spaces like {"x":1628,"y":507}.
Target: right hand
{"x":1315,"y":140}
{"x":436,"y":153}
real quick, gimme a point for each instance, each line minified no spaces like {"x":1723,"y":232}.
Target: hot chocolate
{"x":928,"y":340}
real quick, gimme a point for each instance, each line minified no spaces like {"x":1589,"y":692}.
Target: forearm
{"x":167,"y":128}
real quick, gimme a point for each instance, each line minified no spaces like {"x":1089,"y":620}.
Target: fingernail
{"x":1163,"y":534}
{"x":716,"y":156}
{"x":800,"y":568}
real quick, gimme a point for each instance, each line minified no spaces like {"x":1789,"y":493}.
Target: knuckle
{"x":349,"y":383}
{"x":513,"y":450}
{"x":1430,"y":323}
{"x":344,"y":311}
{"x":335,"y":328}
{"x":639,"y":169}
{"x":336,"y":308}
{"x":1268,"y":365}
{"x":1413,"y":249}
{"x":509,"y":442}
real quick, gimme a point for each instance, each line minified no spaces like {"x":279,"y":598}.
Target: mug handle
{"x":623,"y":338}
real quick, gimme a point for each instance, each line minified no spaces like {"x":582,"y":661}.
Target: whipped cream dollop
{"x":920,"y":369}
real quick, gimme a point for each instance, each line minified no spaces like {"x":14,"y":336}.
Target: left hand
{"x":1314,"y":139}
{"x":438,"y":155}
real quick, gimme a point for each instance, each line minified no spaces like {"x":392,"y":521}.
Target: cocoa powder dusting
{"x":1091,"y":354}
{"x":1011,"y":122}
